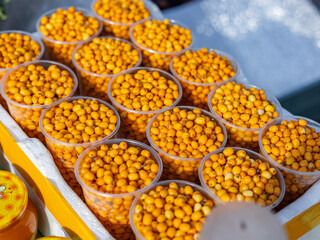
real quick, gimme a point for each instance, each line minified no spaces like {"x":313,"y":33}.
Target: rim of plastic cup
{"x":44,"y":63}
{"x":85,"y":12}
{"x":184,"y":108}
{"x":79,"y":144}
{"x":147,"y":5}
{"x":182,"y":183}
{"x":277,"y":121}
{"x":255,"y":156}
{"x":233,"y":61}
{"x":32,"y":38}
{"x":154,"y":51}
{"x":149,"y":69}
{"x":270,"y":97}
{"x":109,"y":142}
{"x":74,"y":62}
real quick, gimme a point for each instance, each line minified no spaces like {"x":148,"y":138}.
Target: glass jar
{"x":18,"y":215}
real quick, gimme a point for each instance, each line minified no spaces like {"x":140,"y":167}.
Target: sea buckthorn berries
{"x":173,"y":211}
{"x":296,"y":146}
{"x":119,"y":15}
{"x":245,"y":110}
{"x":36,"y":86}
{"x":98,"y":60}
{"x":118,"y":168}
{"x":232,"y":175}
{"x":159,"y":41}
{"x":186,"y":135}
{"x":199,"y":72}
{"x":15,"y":49}
{"x":142,"y":90}
{"x":63,"y":28}
{"x":73,"y":126}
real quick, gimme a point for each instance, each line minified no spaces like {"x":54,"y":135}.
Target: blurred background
{"x":276,"y":42}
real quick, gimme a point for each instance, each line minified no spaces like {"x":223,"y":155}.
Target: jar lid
{"x":13,"y":198}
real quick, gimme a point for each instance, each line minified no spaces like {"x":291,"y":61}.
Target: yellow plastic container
{"x":18,"y":215}
{"x":49,"y":194}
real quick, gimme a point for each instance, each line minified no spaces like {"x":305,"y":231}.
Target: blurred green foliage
{"x":3,"y":15}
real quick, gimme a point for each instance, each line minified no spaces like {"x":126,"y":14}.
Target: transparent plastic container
{"x":118,"y":29}
{"x":166,"y":183}
{"x":113,"y":209}
{"x":175,"y":167}
{"x":153,"y":58}
{"x":61,"y":51}
{"x":65,"y":154}
{"x":27,"y":116}
{"x":195,"y":93}
{"x":4,"y":70}
{"x":253,"y":155}
{"x":240,"y":136}
{"x":297,"y":182}
{"x":93,"y":84}
{"x":133,"y":122}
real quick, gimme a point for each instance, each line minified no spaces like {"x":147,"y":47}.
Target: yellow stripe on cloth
{"x":304,"y":222}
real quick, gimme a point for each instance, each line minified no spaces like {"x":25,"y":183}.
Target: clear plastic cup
{"x":27,"y":116}
{"x":133,"y":122}
{"x":153,"y":58}
{"x":166,"y":183}
{"x":253,"y":155}
{"x":65,"y":154}
{"x":177,"y":167}
{"x":240,"y":136}
{"x":61,"y":51}
{"x":93,"y":84}
{"x":118,"y":29}
{"x":113,"y":209}
{"x":297,"y":182}
{"x":4,"y":70}
{"x":195,"y":93}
